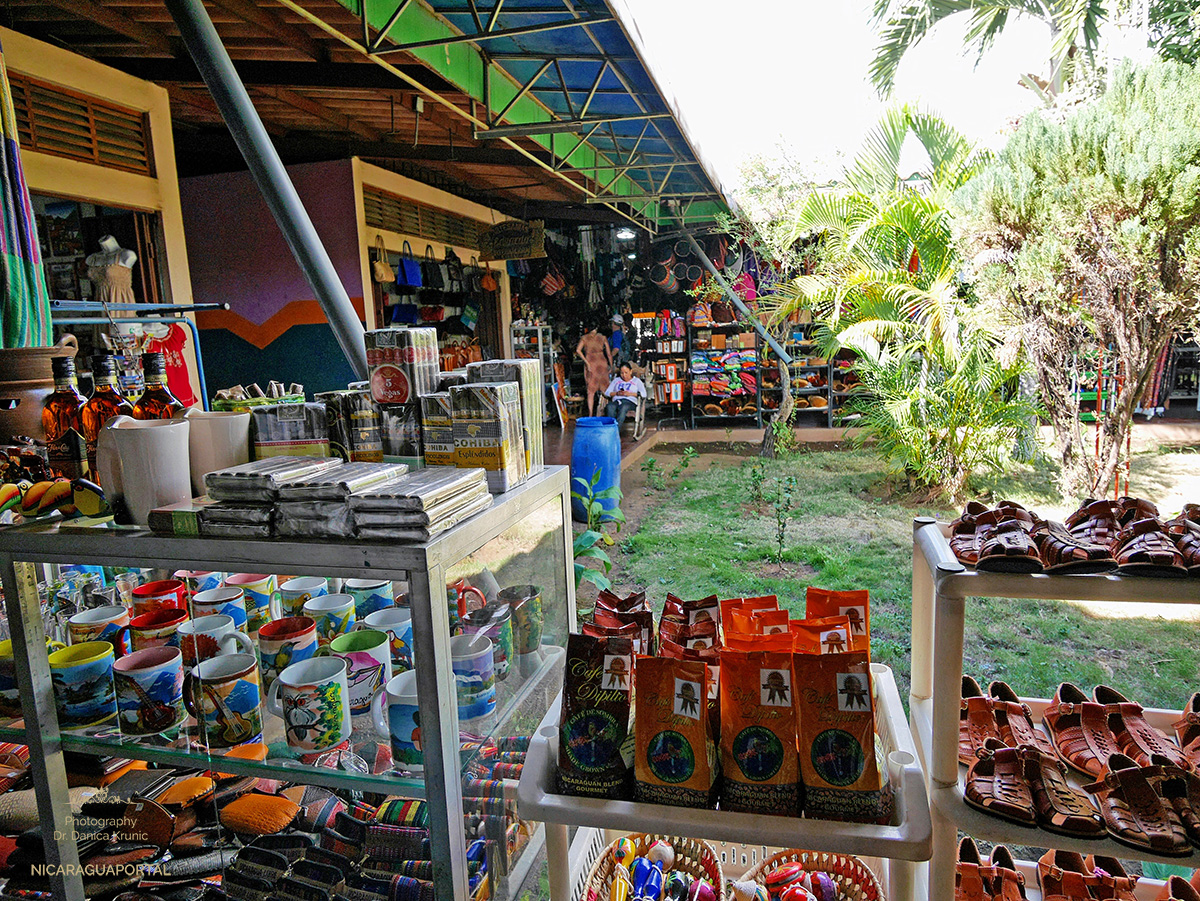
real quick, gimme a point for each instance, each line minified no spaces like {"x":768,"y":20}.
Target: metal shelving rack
{"x":940,"y":588}
{"x":537,"y":341}
{"x":542,"y":502}
{"x":707,"y":419}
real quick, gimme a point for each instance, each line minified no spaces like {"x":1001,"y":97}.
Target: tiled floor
{"x":558,"y":441}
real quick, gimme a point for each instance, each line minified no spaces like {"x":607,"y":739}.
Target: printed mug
{"x":157,"y":629}
{"x":211,"y":636}
{"x":222,"y":693}
{"x":368,"y":656}
{"x":397,"y":623}
{"x":229,"y":599}
{"x":196,"y":580}
{"x":370,"y":595}
{"x":293,"y":594}
{"x":109,"y":623}
{"x":10,"y":694}
{"x":153,"y":596}
{"x":283,"y":642}
{"x":313,"y":699}
{"x":526,"y":603}
{"x":82,"y":678}
{"x":475,"y":681}
{"x":258,"y":590}
{"x":333,"y":614}
{"x":396,"y":716}
{"x":149,"y":687}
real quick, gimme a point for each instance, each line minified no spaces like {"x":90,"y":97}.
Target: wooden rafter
{"x":148,"y":37}
{"x":320,"y":111}
{"x":291,"y":35}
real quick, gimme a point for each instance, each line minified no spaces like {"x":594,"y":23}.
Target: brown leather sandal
{"x":969,"y":873}
{"x":1181,"y":790}
{"x":1185,"y":530}
{"x":1133,"y":811}
{"x":1136,"y":738}
{"x":1108,"y":879}
{"x":1179,"y":889}
{"x":1135,"y":508}
{"x":1096,"y":522}
{"x":1015,"y":719}
{"x":964,"y":540}
{"x":1006,"y":882}
{"x":976,"y":723}
{"x":996,"y":785}
{"x":1059,"y":807}
{"x":1064,"y":553}
{"x":1143,"y":548}
{"x":1080,"y":731}
{"x":1062,"y":874}
{"x":1009,"y":548}
{"x":1187,"y":730}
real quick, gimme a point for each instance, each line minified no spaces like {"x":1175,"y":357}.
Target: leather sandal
{"x":996,"y":785}
{"x":969,"y":882}
{"x":1062,"y":874}
{"x":1064,"y":553}
{"x":1136,"y":738}
{"x":1096,"y":522}
{"x":1187,"y":730}
{"x":1143,"y":548}
{"x":1009,"y":548}
{"x":1180,"y":789}
{"x":1135,"y":508}
{"x":1006,"y":882}
{"x":1133,"y":811}
{"x":964,"y":540}
{"x":1178,"y":889}
{"x":1185,"y":530}
{"x":1080,"y":731}
{"x":1059,"y":807}
{"x":976,"y":722}
{"x":1015,"y":719}
{"x":1108,"y":879}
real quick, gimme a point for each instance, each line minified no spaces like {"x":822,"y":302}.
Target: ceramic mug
{"x":370,"y":595}
{"x":333,"y":614}
{"x":293,"y":594}
{"x":149,"y":687}
{"x":210,"y":636}
{"x":82,"y":677}
{"x":313,"y":699}
{"x":397,"y":623}
{"x":222,"y":693}
{"x":10,"y":694}
{"x":217,"y":440}
{"x":109,"y":623}
{"x":154,"y":595}
{"x":474,"y":679}
{"x":526,"y":603}
{"x":228,"y":599}
{"x":397,"y":716}
{"x":258,"y":589}
{"x":143,"y":464}
{"x":199,"y":580}
{"x":368,"y":656}
{"x":283,"y":642}
{"x":494,"y":621}
{"x":157,"y":629}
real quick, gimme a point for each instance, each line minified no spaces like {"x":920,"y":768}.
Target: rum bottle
{"x":105,"y":403}
{"x":157,"y":401}
{"x":65,"y":444}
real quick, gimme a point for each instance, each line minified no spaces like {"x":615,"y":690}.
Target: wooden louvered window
{"x":54,"y":120}
{"x":410,"y":217}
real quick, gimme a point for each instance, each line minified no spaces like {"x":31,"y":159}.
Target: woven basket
{"x":854,"y":879}
{"x":692,"y":856}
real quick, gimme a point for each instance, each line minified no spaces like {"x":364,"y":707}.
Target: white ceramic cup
{"x":474,"y":678}
{"x":313,"y":699}
{"x":210,"y":636}
{"x":397,"y":623}
{"x":145,"y":463}
{"x":292,"y":595}
{"x":368,"y":657}
{"x":218,"y":440}
{"x":396,"y":716}
{"x":229,"y":599}
{"x":333,"y":614}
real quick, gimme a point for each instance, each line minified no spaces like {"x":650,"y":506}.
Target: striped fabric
{"x":24,"y":301}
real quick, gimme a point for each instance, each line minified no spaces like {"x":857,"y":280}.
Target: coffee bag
{"x":676,"y":761}
{"x":595,"y":749}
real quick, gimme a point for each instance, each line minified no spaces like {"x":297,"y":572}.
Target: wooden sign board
{"x":513,"y":240}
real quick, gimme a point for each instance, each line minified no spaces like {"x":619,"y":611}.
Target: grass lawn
{"x":704,"y":534}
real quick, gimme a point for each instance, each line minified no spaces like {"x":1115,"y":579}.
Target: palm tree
{"x":1074,"y":26}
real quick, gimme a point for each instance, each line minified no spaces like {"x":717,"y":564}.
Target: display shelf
{"x":908,"y":838}
{"x":941,"y":586}
{"x":537,"y":341}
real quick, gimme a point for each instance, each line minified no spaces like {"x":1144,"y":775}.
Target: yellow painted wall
{"x":84,"y":181}
{"x":367,"y":174}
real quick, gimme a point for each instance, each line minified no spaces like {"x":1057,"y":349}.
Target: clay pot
{"x":25,"y":382}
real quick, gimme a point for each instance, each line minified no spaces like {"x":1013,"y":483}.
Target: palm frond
{"x":904,"y":28}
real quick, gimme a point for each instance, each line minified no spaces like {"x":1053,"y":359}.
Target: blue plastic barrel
{"x":597,"y":446}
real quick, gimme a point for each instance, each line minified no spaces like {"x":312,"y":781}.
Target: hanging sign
{"x":513,"y":240}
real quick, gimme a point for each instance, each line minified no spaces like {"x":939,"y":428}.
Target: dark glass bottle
{"x":60,"y":421}
{"x":157,"y":401}
{"x":105,"y":403}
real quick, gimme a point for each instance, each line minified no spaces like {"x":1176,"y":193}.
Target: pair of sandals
{"x":996,"y":880}
{"x":1139,"y":541}
{"x":1069,"y":876}
{"x":1009,"y":538}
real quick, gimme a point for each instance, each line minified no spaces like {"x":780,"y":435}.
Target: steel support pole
{"x":206,"y":50}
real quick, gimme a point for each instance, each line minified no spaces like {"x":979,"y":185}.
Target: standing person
{"x":597,"y":362}
{"x":616,"y":341}
{"x":623,"y":393}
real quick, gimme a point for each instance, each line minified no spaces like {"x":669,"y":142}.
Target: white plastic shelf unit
{"x":537,"y":342}
{"x":940,"y":588}
{"x":534,"y":517}
{"x":905,"y":841}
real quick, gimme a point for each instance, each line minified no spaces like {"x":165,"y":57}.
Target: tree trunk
{"x":783,"y":414}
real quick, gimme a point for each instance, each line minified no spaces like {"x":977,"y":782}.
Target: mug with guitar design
{"x":313,"y":699}
{"x":222,"y":693}
{"x":368,"y":656}
{"x":334,"y":616}
{"x":149,"y":687}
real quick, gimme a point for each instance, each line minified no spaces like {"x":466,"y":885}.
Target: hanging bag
{"x":454,"y":272}
{"x":488,"y":281}
{"x":408,"y":273}
{"x":381,"y":269}
{"x":431,"y":272}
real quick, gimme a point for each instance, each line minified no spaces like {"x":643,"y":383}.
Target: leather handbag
{"x":453,"y":272}
{"x":488,"y":281}
{"x":433,"y":313}
{"x":409,"y":273}
{"x":722,"y":312}
{"x":381,"y":269}
{"x":431,"y":271}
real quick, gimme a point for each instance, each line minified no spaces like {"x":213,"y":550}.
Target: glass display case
{"x":505,"y":572}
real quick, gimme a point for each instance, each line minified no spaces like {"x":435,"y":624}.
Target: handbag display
{"x":408,"y":275}
{"x":431,"y":271}
{"x":381,"y":269}
{"x":553,"y":281}
{"x":453,"y":272}
{"x":488,"y":281}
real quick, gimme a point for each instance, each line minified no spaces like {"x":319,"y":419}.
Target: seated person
{"x":623,"y":392}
